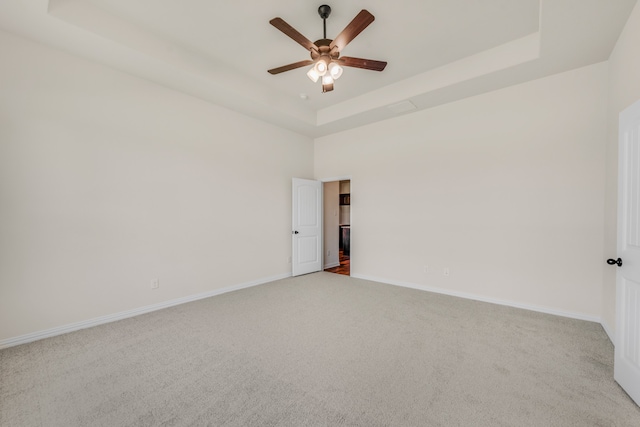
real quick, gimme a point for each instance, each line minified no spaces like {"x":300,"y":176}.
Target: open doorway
{"x":337,"y":227}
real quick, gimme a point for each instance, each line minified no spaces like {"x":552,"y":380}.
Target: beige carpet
{"x":320,"y":350}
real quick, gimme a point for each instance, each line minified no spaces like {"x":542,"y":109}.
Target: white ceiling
{"x":438,"y":51}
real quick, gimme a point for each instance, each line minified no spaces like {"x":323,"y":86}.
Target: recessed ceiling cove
{"x":437,"y":51}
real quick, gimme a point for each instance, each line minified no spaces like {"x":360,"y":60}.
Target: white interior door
{"x":307,"y":226}
{"x":627,"y":351}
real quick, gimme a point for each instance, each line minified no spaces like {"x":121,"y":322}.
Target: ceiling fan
{"x":325,"y":53}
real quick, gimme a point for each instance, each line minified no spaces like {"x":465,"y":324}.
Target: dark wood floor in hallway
{"x":345,"y":266}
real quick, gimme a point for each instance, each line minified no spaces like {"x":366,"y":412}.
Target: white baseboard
{"x":540,"y":309}
{"x":608,"y":330}
{"x":331,"y":265}
{"x":23,"y":339}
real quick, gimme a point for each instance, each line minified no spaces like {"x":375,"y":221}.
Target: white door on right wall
{"x":627,"y":350}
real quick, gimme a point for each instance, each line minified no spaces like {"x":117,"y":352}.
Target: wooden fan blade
{"x":290,"y":66}
{"x":293,"y":33}
{"x":355,"y":27}
{"x":367,"y":64}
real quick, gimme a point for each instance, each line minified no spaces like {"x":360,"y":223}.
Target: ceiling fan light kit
{"x":325,"y":53}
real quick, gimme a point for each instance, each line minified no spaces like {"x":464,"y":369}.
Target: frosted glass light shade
{"x":313,"y":74}
{"x":321,"y":67}
{"x":335,"y":70}
{"x":327,"y":80}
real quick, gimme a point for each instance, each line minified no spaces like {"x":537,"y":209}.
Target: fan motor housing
{"x":324,"y":50}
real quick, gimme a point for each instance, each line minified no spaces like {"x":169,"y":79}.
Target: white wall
{"x":624,"y":90}
{"x":345,"y":187}
{"x":505,"y":189}
{"x":108,"y":181}
{"x":331,"y":225}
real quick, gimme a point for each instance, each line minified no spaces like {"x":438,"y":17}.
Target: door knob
{"x":295,"y":232}
{"x":617,"y":262}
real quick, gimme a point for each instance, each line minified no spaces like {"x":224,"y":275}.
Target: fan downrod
{"x":324,"y":11}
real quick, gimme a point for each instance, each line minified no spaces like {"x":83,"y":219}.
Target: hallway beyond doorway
{"x":345,"y":265}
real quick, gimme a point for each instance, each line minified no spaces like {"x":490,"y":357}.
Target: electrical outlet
{"x":288,"y":260}
{"x":426,"y":268}
{"x":155,"y":283}
{"x":328,"y":253}
{"x":446,"y":271}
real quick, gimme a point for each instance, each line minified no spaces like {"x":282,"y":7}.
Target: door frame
{"x":335,"y":179}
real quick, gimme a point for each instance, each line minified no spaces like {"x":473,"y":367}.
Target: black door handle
{"x":295,"y":232}
{"x":612,"y":261}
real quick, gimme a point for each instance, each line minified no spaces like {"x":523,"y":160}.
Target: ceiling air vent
{"x":402,"y":107}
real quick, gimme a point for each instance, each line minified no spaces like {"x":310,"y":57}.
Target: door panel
{"x":307,"y":226}
{"x":631,"y":298}
{"x":627,"y":350}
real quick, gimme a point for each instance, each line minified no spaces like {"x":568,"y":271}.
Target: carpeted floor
{"x":320,"y":350}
